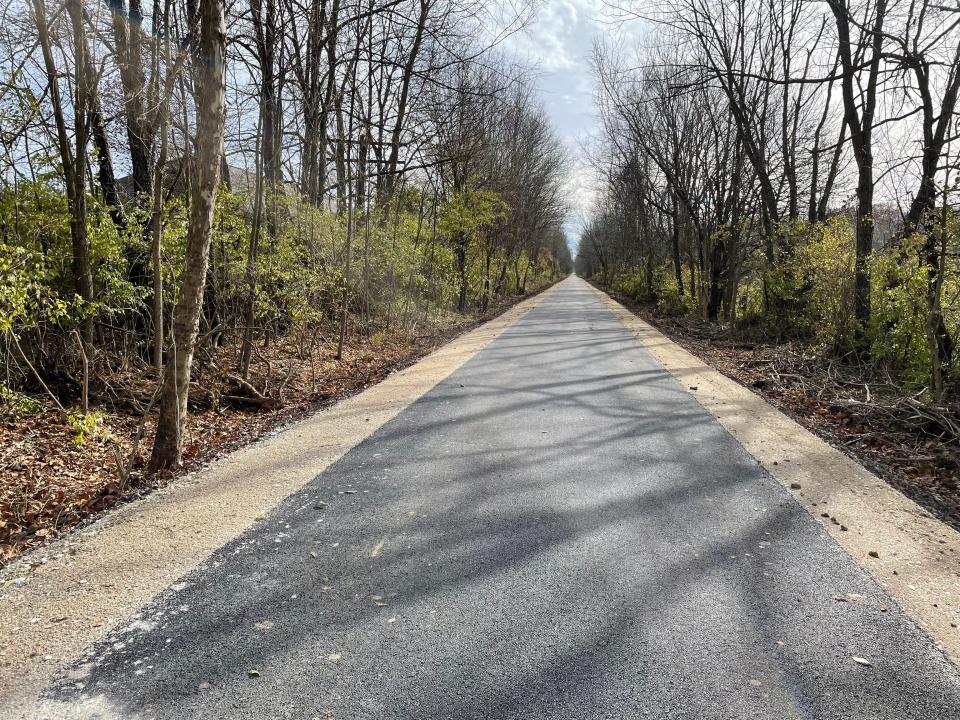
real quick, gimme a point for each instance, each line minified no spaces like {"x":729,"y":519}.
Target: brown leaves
{"x":47,"y":483}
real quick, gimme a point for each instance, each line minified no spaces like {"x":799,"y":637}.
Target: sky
{"x":558,"y":43}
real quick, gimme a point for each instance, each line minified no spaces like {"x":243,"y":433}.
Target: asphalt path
{"x":557,"y":530}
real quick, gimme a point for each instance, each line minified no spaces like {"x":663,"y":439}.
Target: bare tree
{"x":208,"y":65}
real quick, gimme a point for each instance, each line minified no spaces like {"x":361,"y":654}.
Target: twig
{"x":85,"y":386}
{"x":36,"y":374}
{"x":125,"y":470}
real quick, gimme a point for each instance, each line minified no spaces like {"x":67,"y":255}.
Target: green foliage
{"x":670,"y":301}
{"x":663,"y":291}
{"x":17,"y":404}
{"x":26,"y":298}
{"x":398,"y":262}
{"x":90,"y":425}
{"x":785,"y":285}
{"x":110,"y":254}
{"x":467,"y":215}
{"x":84,"y":425}
{"x":36,"y":252}
{"x":898,"y":320}
{"x":825,"y":262}
{"x":807,"y":292}
{"x":403,"y":270}
{"x":633,"y":285}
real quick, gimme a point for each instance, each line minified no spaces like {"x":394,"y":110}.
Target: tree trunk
{"x":461,"y":253}
{"x":485,"y":297}
{"x":859,"y":115}
{"x":675,"y":245}
{"x":939,"y":339}
{"x":140,"y":123}
{"x":393,"y":160}
{"x":128,"y":42}
{"x":74,"y":160}
{"x":210,"y":80}
{"x":718,"y":271}
{"x":105,"y":175}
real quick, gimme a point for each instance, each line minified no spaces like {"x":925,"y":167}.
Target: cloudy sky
{"x":558,"y":42}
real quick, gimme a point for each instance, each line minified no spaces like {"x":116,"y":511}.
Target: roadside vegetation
{"x":780,"y":193}
{"x":213,"y":219}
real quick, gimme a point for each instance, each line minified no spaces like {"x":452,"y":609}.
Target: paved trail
{"x":558,"y":530}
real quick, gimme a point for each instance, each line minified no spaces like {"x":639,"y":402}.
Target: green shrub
{"x":633,"y":285}
{"x":825,"y":262}
{"x":899,"y":313}
{"x":670,"y":301}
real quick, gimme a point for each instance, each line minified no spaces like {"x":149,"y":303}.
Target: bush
{"x":825,"y":262}
{"x":670,"y":301}
{"x":633,"y":285}
{"x":899,"y":313}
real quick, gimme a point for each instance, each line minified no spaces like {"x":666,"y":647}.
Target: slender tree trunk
{"x":128,"y":44}
{"x":675,"y":245}
{"x":253,"y":248}
{"x":940,"y":341}
{"x":345,"y":185}
{"x":485,"y":297}
{"x":831,"y":175}
{"x":210,"y":80}
{"x":461,"y":254}
{"x":393,"y":159}
{"x":923,"y":209}
{"x":156,"y":215}
{"x":141,"y":120}
{"x":859,"y":114}
{"x":329,"y":100}
{"x":718,"y":271}
{"x":84,"y":101}
{"x":74,"y":159}
{"x":105,"y":175}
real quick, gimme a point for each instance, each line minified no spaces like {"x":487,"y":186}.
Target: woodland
{"x":780,"y":187}
{"x":216,"y":217}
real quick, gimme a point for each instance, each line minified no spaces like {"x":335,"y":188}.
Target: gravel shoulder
{"x":911,"y":554}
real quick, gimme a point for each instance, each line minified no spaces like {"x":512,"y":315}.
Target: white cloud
{"x":558,"y":42}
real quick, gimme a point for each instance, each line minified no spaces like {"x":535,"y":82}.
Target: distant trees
{"x":183,"y":178}
{"x":756,"y":142}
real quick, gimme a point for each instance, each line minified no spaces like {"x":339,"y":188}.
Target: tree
{"x":74,"y":157}
{"x":209,"y":75}
{"x":863,"y":48}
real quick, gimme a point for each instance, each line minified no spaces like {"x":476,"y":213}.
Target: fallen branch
{"x":264,"y":403}
{"x":244,"y":385}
